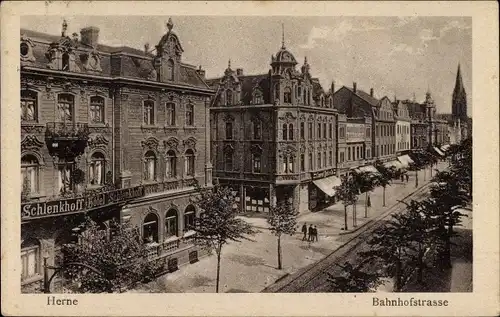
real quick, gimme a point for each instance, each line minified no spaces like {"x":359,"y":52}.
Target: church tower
{"x":459,"y":107}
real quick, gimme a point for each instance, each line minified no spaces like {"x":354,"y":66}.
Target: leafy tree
{"x":282,"y":220}
{"x":119,"y":258}
{"x":353,"y":279}
{"x":367,"y":182}
{"x":346,"y":192}
{"x":390,"y":244}
{"x":217,"y":224}
{"x":384,"y":177}
{"x":416,"y":166}
{"x":446,"y":197}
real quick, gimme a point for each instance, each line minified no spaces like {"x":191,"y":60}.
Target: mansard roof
{"x":115,"y":61}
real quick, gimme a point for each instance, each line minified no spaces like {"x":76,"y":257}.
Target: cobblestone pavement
{"x":251,"y":266}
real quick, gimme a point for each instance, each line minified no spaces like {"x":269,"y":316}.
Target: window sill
{"x":171,"y":239}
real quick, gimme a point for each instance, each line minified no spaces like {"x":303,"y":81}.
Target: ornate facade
{"x":113,"y":132}
{"x":273,"y":134}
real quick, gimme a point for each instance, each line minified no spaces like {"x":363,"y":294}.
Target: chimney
{"x":146,"y":48}
{"x":201,"y":72}
{"x":89,"y":36}
{"x":239,"y":71}
{"x":333,"y":87}
{"x":371,"y":92}
{"x":354,"y":87}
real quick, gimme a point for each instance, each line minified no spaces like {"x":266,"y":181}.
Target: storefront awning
{"x":438,"y":151}
{"x":405,"y":160}
{"x":369,"y":169}
{"x":328,"y":184}
{"x":395,"y":163}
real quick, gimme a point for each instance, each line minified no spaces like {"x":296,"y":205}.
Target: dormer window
{"x":229,"y":97}
{"x":24,"y":49}
{"x":170,"y":70}
{"x":257,"y":97}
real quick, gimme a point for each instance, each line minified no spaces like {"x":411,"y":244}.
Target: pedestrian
{"x":315,"y":233}
{"x":304,"y":231}
{"x":407,"y":178}
{"x":310,"y":233}
{"x":402,"y":177}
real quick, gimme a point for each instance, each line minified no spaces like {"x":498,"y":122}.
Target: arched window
{"x":29,"y":105}
{"x":302,"y":130}
{"x":97,"y":170}
{"x":290,"y":131}
{"x":65,"y":61}
{"x":149,"y":112}
{"x":257,"y":97}
{"x":170,"y":114}
{"x":287,"y":95}
{"x":171,"y":166}
{"x":285,"y":131}
{"x":150,"y":228}
{"x":229,"y":130}
{"x":228,"y":160}
{"x":171,"y":221}
{"x":229,"y":97}
{"x":291,"y":165}
{"x":66,"y":107}
{"x":257,"y":130}
{"x":189,"y":163}
{"x":30,"y":258}
{"x":189,"y":114}
{"x":311,"y":162}
{"x":170,"y":70}
{"x":96,"y":109}
{"x":30,"y":177}
{"x":189,"y":217}
{"x":256,"y":162}
{"x":150,"y":166}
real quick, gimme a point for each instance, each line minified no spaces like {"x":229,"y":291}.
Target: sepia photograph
{"x":194,"y":153}
{"x":299,"y":159}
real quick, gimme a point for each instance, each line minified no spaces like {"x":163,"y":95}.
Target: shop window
{"x":189,"y":217}
{"x":66,"y":107}
{"x":149,"y":108}
{"x":150,"y":228}
{"x":30,"y":174}
{"x":171,"y":165}
{"x":97,"y":170}
{"x":189,"y":163}
{"x":29,"y":106}
{"x":149,"y":166}
{"x":189,"y":114}
{"x":30,"y":259}
{"x":171,"y":222}
{"x":170,"y":113}
{"x":97,"y":109}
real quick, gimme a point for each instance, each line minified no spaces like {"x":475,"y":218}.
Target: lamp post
{"x":45,"y":273}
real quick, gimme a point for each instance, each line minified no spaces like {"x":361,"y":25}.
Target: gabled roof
{"x":248,"y":84}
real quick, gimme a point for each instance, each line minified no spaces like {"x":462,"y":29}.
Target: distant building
{"x":274,"y":135}
{"x":114,"y":132}
{"x":403,"y":127}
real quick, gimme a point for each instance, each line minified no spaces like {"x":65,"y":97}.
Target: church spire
{"x":283,"y":35}
{"x":458,"y":82}
{"x":459,"y":99}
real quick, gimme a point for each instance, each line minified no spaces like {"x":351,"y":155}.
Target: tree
{"x":217,"y":224}
{"x":120,"y":257}
{"x":282,"y":220}
{"x":346,"y":192}
{"x":390,"y":245}
{"x":366,"y":181}
{"x":384,"y":177}
{"x":446,"y":197}
{"x":353,"y":279}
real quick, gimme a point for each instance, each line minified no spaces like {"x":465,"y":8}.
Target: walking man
{"x":311,"y":231}
{"x":407,"y":178}
{"x":304,"y":231}
{"x":315,"y":233}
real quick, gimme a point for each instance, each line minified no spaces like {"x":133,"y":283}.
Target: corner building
{"x":274,"y":135}
{"x":113,"y":132}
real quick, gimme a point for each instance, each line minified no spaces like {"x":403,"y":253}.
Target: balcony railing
{"x":168,"y":185}
{"x":66,"y":139}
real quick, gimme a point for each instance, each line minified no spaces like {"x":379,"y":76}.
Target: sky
{"x":396,"y":56}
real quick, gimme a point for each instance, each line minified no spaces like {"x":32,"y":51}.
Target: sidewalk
{"x":250,"y":266}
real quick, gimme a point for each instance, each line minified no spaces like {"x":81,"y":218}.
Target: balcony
{"x":168,"y":185}
{"x":66,"y":139}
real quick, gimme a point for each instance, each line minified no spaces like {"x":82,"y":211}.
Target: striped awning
{"x":438,"y":151}
{"x":368,"y":169}
{"x":395,"y":163}
{"x":405,"y":160}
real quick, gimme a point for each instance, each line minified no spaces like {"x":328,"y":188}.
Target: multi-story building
{"x":113,"y":132}
{"x":273,"y":135}
{"x":403,"y":126}
{"x":418,"y":124}
{"x":385,"y":130}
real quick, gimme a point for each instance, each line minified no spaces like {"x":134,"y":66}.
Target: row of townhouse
{"x":120,"y":133}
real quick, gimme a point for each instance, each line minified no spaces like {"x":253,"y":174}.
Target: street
{"x":251,"y":266}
